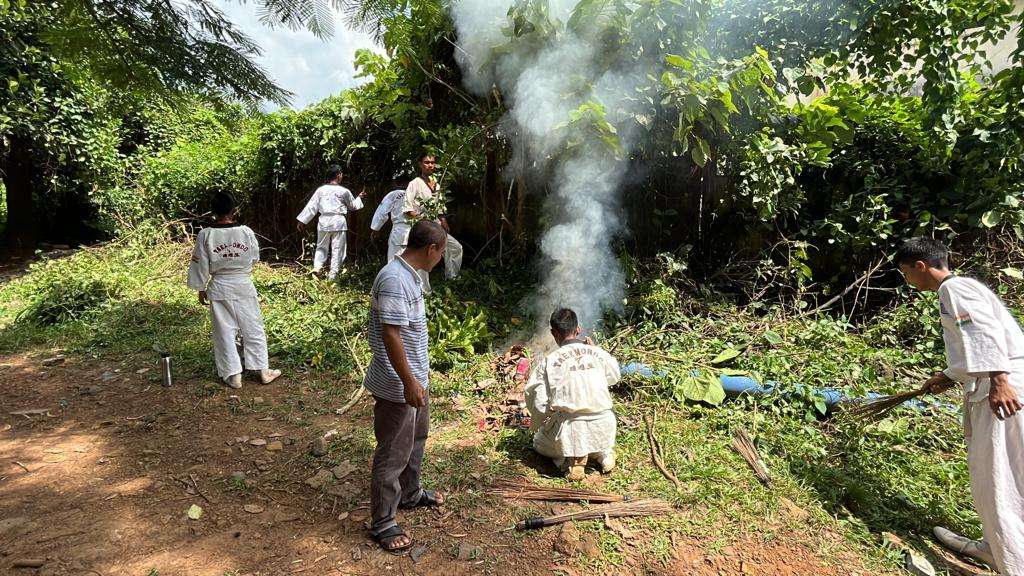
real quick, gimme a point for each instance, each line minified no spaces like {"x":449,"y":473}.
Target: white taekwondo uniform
{"x":332,"y":203}
{"x":417,"y":191}
{"x":221,"y":265}
{"x":981,"y":336}
{"x":392,"y":207}
{"x":570,"y":404}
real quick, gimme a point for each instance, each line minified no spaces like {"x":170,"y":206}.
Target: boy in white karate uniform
{"x":985,"y":353}
{"x":221,"y":271}
{"x":569,"y":401}
{"x":391,"y":208}
{"x":332,"y":202}
{"x":423,"y":189}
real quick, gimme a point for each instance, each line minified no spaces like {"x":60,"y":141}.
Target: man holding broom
{"x":985,"y":353}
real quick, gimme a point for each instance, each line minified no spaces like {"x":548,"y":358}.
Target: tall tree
{"x":60,"y":60}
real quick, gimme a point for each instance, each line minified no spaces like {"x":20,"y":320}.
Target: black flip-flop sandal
{"x":428,"y":499}
{"x":387,"y":537}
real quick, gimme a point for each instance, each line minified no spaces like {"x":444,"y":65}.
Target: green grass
{"x":901,"y":475}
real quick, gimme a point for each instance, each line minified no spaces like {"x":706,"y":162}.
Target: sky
{"x":296,"y":60}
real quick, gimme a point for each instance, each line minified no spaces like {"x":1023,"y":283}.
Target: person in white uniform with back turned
{"x":221,"y":271}
{"x":569,"y":401}
{"x":985,"y":353}
{"x":391,"y":208}
{"x":332,"y":202}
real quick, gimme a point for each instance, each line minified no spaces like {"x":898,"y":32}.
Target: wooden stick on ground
{"x":362,"y":374}
{"x":657,"y":455}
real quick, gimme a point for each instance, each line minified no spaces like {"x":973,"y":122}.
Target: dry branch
{"x":657,"y":455}
{"x":858,"y":282}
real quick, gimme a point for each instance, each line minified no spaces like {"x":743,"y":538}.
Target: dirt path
{"x":100,"y":484}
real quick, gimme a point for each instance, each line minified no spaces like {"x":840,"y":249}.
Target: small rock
{"x":567,"y":542}
{"x":417,"y":553}
{"x":257,"y":442}
{"x":342,"y":516}
{"x":345,"y":490}
{"x":141,"y":371}
{"x":589,"y":547}
{"x":91,"y":390}
{"x":320,"y":479}
{"x":918,"y":565}
{"x":318,"y":448}
{"x":107,"y":376}
{"x":257,"y":400}
{"x":53,"y":361}
{"x":468,"y":552}
{"x":8,"y":524}
{"x":282,"y":516}
{"x":344,"y":469}
{"x":275,"y":446}
{"x":238,"y":476}
{"x":241,"y":440}
{"x":253,"y":508}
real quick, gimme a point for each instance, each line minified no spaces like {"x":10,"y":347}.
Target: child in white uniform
{"x":332,"y":202}
{"x":221,"y":271}
{"x":985,"y":353}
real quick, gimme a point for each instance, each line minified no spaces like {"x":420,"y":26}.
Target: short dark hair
{"x":222,"y":204}
{"x":424,"y":233}
{"x":425,"y":154}
{"x":333,"y":171}
{"x":564,"y":321}
{"x":923,"y":249}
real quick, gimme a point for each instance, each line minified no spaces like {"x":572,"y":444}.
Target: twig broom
{"x":524,"y":490}
{"x":743,"y":444}
{"x":876,"y":409}
{"x":617,"y":510}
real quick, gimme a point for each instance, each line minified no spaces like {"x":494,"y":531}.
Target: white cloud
{"x":299,"y":62}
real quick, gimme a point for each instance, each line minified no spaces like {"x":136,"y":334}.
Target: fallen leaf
{"x":194,"y":512}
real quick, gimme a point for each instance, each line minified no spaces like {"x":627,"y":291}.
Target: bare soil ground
{"x":100,"y":484}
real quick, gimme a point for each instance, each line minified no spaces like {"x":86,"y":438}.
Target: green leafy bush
{"x":456,"y":334}
{"x":61,"y":296}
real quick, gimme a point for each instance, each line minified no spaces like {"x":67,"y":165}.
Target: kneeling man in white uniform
{"x":569,"y":401}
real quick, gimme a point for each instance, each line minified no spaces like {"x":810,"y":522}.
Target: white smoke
{"x":541,"y":85}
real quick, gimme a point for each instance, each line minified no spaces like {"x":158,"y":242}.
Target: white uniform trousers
{"x":396,"y":241}
{"x":231,"y":318}
{"x":452,"y":257}
{"x":995,"y":459}
{"x":331,"y":244}
{"x":574,"y":436}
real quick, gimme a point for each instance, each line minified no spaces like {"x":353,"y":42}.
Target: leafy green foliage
{"x":63,"y":298}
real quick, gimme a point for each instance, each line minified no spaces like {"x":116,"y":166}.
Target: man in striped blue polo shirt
{"x":398,"y":377}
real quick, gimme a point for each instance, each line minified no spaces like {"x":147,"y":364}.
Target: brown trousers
{"x":401,"y":433}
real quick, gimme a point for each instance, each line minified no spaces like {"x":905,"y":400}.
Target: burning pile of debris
{"x":511,"y":370}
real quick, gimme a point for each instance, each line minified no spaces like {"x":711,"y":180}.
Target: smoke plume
{"x":542,"y":85}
